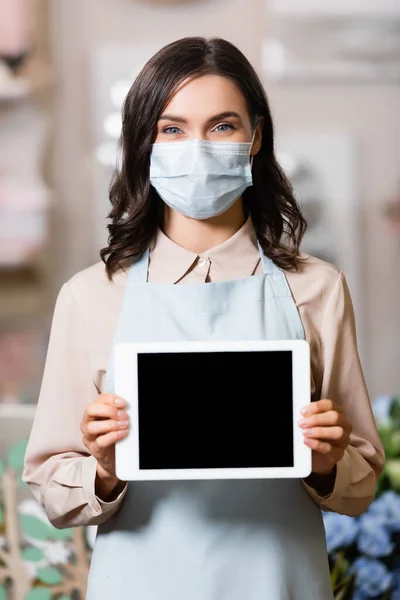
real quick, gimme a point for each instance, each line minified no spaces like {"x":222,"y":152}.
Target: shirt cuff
{"x":100,"y":509}
{"x":341,"y":482}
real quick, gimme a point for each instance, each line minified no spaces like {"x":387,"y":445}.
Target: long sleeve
{"x":341,"y":380}
{"x":58,"y":468}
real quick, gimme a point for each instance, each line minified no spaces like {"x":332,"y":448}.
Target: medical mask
{"x":201,"y":179}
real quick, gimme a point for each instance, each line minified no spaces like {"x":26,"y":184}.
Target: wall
{"x":372,"y":114}
{"x":370,"y":111}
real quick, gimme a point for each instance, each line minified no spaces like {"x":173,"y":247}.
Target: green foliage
{"x":16,"y":455}
{"x":345,"y":590}
{"x":32,"y":554}
{"x":49,"y":575}
{"x":39,"y":593}
{"x":389,"y":432}
{"x":38,"y":529}
{"x":34,"y":527}
{"x":60,"y":534}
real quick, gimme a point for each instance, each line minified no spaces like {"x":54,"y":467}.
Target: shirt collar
{"x":236,"y":257}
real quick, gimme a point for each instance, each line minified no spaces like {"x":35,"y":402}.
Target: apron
{"x":211,"y":540}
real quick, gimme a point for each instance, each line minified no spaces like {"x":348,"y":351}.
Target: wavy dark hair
{"x":137,"y":209}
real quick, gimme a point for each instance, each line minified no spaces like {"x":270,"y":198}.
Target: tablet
{"x":213,"y":410}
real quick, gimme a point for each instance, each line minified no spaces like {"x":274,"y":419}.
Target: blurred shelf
{"x":13,"y":90}
{"x":17,"y":411}
{"x":21,"y":262}
{"x":35,"y":79}
{"x":22,"y":305}
{"x":24,"y":292}
{"x":25,"y":215}
{"x":357,"y":8}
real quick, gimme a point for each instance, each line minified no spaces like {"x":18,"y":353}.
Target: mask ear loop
{"x":252,"y":142}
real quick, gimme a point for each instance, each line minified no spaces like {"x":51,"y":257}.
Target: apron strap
{"x":269,"y":267}
{"x":138,"y":271}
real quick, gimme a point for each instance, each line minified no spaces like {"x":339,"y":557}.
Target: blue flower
{"x":372,"y":577}
{"x":381,"y":408}
{"x":359,"y":595}
{"x":387,"y":506}
{"x":396,"y":585}
{"x":340,"y":530}
{"x":374,"y":538}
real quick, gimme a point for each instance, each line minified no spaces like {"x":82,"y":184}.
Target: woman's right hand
{"x":104,"y":423}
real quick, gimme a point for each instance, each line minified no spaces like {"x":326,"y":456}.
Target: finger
{"x":337,"y":435}
{"x":95,"y":428}
{"x":96,"y":410}
{"x":318,"y":446}
{"x":325,"y":448}
{"x":111,"y":399}
{"x":108,"y":439}
{"x":326,"y":419}
{"x":320,"y":406}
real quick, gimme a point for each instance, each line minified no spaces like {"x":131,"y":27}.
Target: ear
{"x":257,"y":137}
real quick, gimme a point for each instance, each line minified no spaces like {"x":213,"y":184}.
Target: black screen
{"x":212,"y":410}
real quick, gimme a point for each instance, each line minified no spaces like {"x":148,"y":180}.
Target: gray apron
{"x":211,"y":540}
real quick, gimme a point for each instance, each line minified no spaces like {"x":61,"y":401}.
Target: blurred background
{"x":332,"y":73}
{"x":331,"y":69}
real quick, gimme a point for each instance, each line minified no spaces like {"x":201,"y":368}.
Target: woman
{"x":200,"y":103}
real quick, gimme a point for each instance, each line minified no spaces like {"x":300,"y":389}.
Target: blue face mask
{"x":200,"y":179}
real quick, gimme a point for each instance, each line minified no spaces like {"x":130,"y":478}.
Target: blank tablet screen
{"x":208,"y":410}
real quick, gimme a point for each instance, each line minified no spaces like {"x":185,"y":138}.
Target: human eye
{"x":225,"y":127}
{"x":172,"y":130}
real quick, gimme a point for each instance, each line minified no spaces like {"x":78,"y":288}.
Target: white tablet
{"x":213,"y":410}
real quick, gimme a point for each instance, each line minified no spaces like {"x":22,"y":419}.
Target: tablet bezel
{"x":126,"y":377}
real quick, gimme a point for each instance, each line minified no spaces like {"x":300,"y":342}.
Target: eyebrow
{"x":219,"y":117}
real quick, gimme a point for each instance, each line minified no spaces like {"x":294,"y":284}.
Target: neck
{"x":199,"y":236}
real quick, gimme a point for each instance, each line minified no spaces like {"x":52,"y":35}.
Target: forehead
{"x":206,"y":96}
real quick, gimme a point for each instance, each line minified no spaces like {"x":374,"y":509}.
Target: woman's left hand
{"x":327,"y":432}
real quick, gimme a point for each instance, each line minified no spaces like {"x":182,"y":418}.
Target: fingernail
{"x":302,"y":422}
{"x":123,"y":424}
{"x":119,"y":402}
{"x":306,"y":410}
{"x":121,"y":414}
{"x":307,"y":432}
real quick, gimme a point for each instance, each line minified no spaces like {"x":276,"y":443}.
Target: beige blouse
{"x":58,"y":468}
